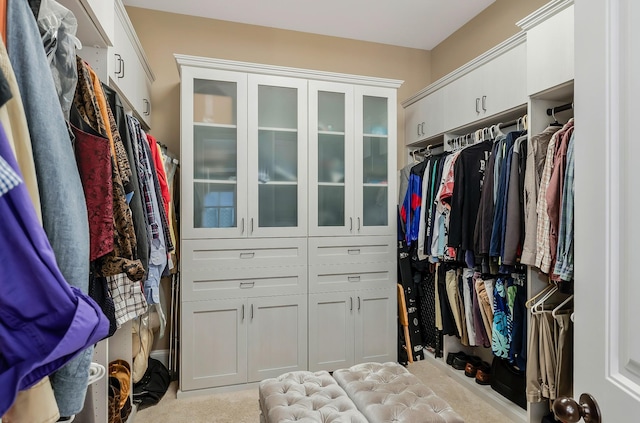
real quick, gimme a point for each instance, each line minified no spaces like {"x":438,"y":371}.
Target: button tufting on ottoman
{"x":390,"y":393}
{"x":306,"y":397}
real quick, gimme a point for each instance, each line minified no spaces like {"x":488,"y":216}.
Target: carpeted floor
{"x":242,"y":406}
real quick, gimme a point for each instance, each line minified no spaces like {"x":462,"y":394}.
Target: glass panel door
{"x":331,"y":158}
{"x":214,"y":151}
{"x":331,"y":164}
{"x":276,"y":154}
{"x":215,"y":154}
{"x":375,"y":159}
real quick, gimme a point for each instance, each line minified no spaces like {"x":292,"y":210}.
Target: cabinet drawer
{"x":210,"y":283}
{"x":331,"y":278}
{"x":242,"y":253}
{"x":352,"y":250}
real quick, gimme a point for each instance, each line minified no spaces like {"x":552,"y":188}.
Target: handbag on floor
{"x":153,"y":385}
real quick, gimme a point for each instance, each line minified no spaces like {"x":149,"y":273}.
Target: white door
{"x":607,"y":206}
{"x":331,"y":174}
{"x":375,"y":161}
{"x":213,"y":344}
{"x":331,"y":331}
{"x":375,"y":325}
{"x":277,"y":336}
{"x":277,"y":152}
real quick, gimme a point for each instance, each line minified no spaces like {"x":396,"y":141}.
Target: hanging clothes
{"x":513,"y":233}
{"x":64,"y":213}
{"x":564,"y":263}
{"x":469,"y":174}
{"x":536,"y":156}
{"x":37,"y":303}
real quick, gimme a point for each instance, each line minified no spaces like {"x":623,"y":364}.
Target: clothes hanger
{"x":546,"y":289}
{"x":525,"y":123}
{"x":555,"y":121}
{"x":538,"y":307}
{"x":556,"y":310}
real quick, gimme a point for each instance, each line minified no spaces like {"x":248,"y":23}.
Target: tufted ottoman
{"x":389,"y":393}
{"x":306,"y":397}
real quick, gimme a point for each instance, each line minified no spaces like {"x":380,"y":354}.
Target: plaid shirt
{"x":128,"y":299}
{"x":564,"y":261}
{"x":9,"y":179}
{"x":543,"y":251}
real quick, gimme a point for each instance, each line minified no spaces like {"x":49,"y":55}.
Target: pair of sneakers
{"x":472,"y":365}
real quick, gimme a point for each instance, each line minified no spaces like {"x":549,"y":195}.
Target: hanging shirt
{"x":564,"y":262}
{"x":410,"y":210}
{"x":514,"y":222}
{"x":536,"y":156}
{"x":469,"y":175}
{"x":44,"y":322}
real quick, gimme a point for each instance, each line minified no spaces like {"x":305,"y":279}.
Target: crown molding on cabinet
{"x":121,"y":12}
{"x":489,"y":55}
{"x":544,"y":13}
{"x":256,"y":68}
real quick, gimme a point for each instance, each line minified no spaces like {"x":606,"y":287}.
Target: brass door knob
{"x":570,"y":411}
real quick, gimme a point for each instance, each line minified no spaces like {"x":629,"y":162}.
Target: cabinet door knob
{"x":570,"y":411}
{"x":358,"y":303}
{"x":248,"y":255}
{"x":418,"y":128}
{"x":242,"y":225}
{"x":478,"y":105}
{"x":422,"y":128}
{"x":353,"y":278}
{"x":247,"y":285}
{"x":251,"y":312}
{"x":358,"y":224}
{"x":242,"y":314}
{"x":350,"y":303}
{"x":251,"y":226}
{"x":351,"y":224}
{"x":119,"y":62}
{"x":147,"y":107}
{"x":484,"y":103}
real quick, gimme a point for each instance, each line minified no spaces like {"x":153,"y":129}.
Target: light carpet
{"x":242,"y":406}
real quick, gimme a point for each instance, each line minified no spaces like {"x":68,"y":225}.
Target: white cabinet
{"x":351,"y":327}
{"x":95,"y":21}
{"x":495,"y":86}
{"x":424,"y":118}
{"x":234,"y":341}
{"x":550,"y":47}
{"x":122,"y":63}
{"x":351,"y":160}
{"x":244,"y":161}
{"x":271,"y":155}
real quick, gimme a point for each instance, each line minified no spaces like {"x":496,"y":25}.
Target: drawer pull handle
{"x":247,"y":285}
{"x":247,"y":255}
{"x":353,"y":251}
{"x":353,"y":278}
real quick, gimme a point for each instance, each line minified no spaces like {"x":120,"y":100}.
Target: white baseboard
{"x":162,"y":356}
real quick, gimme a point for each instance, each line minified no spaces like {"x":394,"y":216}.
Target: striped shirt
{"x":9,"y":178}
{"x":564,"y":261}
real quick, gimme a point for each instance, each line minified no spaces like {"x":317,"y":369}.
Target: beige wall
{"x":163,"y":34}
{"x":491,"y":27}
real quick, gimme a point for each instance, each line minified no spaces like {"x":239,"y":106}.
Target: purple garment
{"x":44,"y":322}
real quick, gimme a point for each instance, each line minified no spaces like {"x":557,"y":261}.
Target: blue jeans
{"x":64,"y":211}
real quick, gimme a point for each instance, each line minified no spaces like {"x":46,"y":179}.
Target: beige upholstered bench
{"x":306,"y":397}
{"x":390,"y":393}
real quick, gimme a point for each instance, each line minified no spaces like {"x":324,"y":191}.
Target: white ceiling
{"x":419,"y":24}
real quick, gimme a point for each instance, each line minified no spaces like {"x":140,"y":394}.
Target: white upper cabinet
{"x":277,"y":155}
{"x":352,"y":159}
{"x":496,"y":82}
{"x":214,"y":153}
{"x":424,"y":118}
{"x":95,"y":21}
{"x":550,"y":46}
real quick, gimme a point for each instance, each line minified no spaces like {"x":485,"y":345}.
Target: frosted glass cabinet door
{"x":214,"y":151}
{"x":277,"y":157}
{"x":375,"y":161}
{"x":331,"y":159}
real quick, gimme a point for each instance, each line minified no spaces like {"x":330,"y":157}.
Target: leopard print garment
{"x":123,"y":258}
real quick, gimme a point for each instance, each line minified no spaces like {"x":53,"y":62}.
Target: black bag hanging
{"x":153,"y":385}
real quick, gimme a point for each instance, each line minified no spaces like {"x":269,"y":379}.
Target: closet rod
{"x":557,"y":109}
{"x":429,"y":147}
